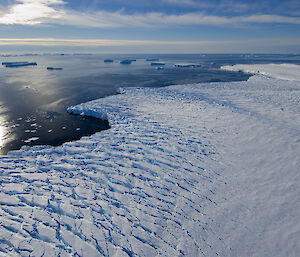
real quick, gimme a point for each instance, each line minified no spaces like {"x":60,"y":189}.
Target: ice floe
{"x":190,"y":170}
{"x":31,"y":139}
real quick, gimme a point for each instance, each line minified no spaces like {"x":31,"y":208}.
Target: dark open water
{"x":33,"y":100}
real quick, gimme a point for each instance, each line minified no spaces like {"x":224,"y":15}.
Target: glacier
{"x":206,"y":169}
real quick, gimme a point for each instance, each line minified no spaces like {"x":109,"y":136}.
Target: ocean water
{"x":33,"y":100}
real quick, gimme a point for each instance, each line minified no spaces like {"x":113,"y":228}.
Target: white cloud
{"x":33,"y":12}
{"x":189,"y":3}
{"x":119,"y":19}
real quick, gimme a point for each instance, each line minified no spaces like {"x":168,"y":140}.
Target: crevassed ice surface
{"x":192,"y":170}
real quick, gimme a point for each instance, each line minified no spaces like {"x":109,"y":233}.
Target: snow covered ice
{"x":279,"y":71}
{"x":190,"y":170}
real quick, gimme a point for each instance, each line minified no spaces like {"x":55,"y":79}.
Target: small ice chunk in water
{"x":31,"y":139}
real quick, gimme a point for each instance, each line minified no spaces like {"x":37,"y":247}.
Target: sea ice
{"x":31,"y":139}
{"x":191,"y":170}
{"x":279,"y":71}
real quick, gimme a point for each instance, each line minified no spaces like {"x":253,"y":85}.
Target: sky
{"x":150,"y":26}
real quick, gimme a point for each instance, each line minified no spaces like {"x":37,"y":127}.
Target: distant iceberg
{"x":157,"y":63}
{"x":53,"y":68}
{"x":108,"y":60}
{"x":13,"y":63}
{"x":187,"y":65}
{"x":18,"y":64}
{"x":125,"y":62}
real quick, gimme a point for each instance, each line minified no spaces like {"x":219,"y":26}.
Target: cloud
{"x":34,"y":12}
{"x":71,"y":42}
{"x":120,"y":19}
{"x":31,"y":12}
{"x":192,"y":3}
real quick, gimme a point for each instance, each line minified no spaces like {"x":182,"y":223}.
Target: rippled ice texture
{"x":192,"y":170}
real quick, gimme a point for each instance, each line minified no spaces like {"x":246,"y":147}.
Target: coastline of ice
{"x":278,"y":71}
{"x":190,"y":170}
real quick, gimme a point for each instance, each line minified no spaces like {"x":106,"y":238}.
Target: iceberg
{"x":13,"y":63}
{"x":20,"y":64}
{"x":125,"y":62}
{"x":206,"y":169}
{"x":54,"y":68}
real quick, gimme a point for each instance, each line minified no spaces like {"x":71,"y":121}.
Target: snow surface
{"x":280,"y":71}
{"x":192,"y":170}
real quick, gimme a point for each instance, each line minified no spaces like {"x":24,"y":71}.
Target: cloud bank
{"x":150,"y":46}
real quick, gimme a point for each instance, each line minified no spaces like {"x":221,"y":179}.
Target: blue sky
{"x":161,"y":26}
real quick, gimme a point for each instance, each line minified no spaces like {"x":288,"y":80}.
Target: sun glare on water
{"x":1,"y":136}
{"x":3,"y":133}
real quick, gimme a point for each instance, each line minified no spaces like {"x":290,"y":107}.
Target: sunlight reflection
{"x":3,"y":130}
{"x":1,"y":136}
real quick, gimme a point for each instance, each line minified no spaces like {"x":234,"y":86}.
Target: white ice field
{"x":192,"y":170}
